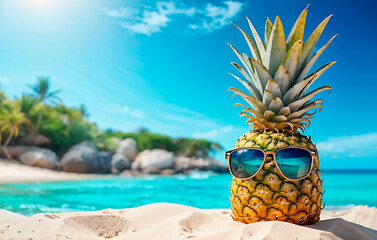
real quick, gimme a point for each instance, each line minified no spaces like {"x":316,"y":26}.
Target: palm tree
{"x":84,"y":111}
{"x":42,"y":90}
{"x":28,"y":105}
{"x":10,"y":120}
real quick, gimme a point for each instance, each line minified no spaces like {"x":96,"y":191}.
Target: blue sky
{"x":163,"y":65}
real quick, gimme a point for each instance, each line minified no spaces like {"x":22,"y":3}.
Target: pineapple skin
{"x":269,"y":196}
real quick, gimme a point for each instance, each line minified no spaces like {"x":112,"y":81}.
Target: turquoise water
{"x":344,"y":189}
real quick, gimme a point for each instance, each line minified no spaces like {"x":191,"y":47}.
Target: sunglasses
{"x":294,"y":163}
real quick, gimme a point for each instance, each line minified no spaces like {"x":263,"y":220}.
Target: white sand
{"x":167,"y":221}
{"x":13,"y":172}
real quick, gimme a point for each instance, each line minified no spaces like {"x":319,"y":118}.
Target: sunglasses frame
{"x":313,"y":154}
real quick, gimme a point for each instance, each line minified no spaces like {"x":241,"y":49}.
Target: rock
{"x":17,"y":151}
{"x":151,"y":170}
{"x":119,"y":163}
{"x":156,"y":158}
{"x":35,"y":139}
{"x":104,"y":160}
{"x":186,"y":164}
{"x":128,"y":147}
{"x":136,"y":166}
{"x":81,"y":158}
{"x":168,"y":172}
{"x":43,"y":158}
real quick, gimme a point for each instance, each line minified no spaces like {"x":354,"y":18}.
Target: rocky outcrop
{"x":85,"y":158}
{"x":43,"y":158}
{"x":104,"y":160}
{"x":186,"y":165}
{"x":81,"y":158}
{"x":119,"y":163}
{"x":18,"y":150}
{"x":128,"y":147}
{"x":152,"y":160}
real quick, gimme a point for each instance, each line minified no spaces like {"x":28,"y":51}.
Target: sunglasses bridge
{"x":269,"y":154}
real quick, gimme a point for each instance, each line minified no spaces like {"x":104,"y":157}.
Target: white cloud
{"x":364,"y":145}
{"x":213,"y":133}
{"x":152,"y":19}
{"x":124,"y":110}
{"x":123,"y":12}
{"x":217,"y":17}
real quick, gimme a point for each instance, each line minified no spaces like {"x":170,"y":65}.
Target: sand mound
{"x":106,"y":226}
{"x":6,"y":217}
{"x":362,"y":215}
{"x":164,"y":221}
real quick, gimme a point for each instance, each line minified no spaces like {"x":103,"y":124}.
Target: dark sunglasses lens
{"x":294,"y":163}
{"x":246,"y":162}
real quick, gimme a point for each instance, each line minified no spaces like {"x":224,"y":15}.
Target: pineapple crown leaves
{"x":277,"y":76}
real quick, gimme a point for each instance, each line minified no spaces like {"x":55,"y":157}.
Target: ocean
{"x":344,"y":189}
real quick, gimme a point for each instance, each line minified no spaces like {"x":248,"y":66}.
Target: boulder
{"x":18,"y":150}
{"x":35,"y":139}
{"x":104,"y":160}
{"x":119,"y":163}
{"x":151,"y":170}
{"x":136,"y":166}
{"x":81,"y":158}
{"x":156,"y":158}
{"x":186,"y":164}
{"x":128,"y":147}
{"x":43,"y":158}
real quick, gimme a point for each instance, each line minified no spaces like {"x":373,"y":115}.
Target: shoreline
{"x":12,"y":171}
{"x":172,"y":221}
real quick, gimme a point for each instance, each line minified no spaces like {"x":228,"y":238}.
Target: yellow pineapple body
{"x":269,"y":196}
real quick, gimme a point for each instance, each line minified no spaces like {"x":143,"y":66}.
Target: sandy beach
{"x":12,"y":171}
{"x":170,"y":221}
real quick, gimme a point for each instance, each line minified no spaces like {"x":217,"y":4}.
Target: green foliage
{"x":3,"y":96}
{"x":109,"y":140}
{"x":84,"y":111}
{"x":27,"y":103}
{"x":196,"y":147}
{"x":11,"y":118}
{"x":65,"y":126}
{"x":10,"y":121}
{"x":29,"y":106}
{"x":151,"y":140}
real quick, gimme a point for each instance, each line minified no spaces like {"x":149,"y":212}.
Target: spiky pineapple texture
{"x":271,"y":197}
{"x":276,"y":76}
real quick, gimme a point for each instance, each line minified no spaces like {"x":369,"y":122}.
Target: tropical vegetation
{"x":40,"y":118}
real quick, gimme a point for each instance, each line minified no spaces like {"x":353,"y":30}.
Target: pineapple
{"x":277,"y":78}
